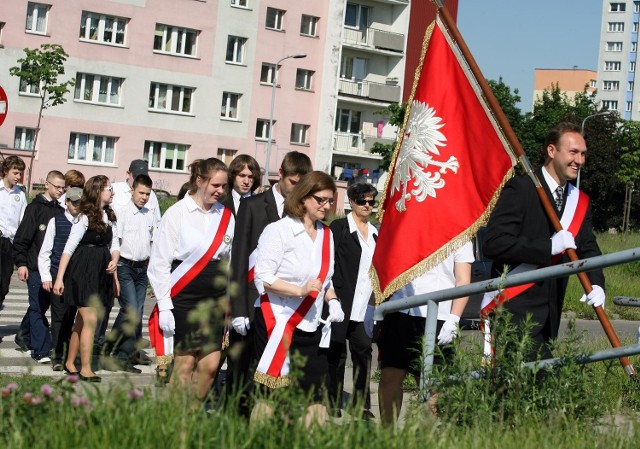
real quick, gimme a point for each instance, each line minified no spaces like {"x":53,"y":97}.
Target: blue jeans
{"x":34,"y":328}
{"x":133,"y":290}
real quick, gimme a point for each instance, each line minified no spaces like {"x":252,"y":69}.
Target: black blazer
{"x":229,"y":204}
{"x":347,"y":252}
{"x":254,"y":214}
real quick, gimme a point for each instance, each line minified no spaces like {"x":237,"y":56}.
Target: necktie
{"x":559,"y":197}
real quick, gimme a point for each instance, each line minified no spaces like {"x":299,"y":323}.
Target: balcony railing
{"x":366,"y":89}
{"x":374,"y":38}
{"x":356,"y":144}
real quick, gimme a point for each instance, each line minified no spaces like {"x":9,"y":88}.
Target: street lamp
{"x":582,"y":132}
{"x":273,"y":103}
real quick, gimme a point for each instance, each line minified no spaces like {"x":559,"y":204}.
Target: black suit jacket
{"x":518,"y":232}
{"x":254,"y":214}
{"x":229,"y":204}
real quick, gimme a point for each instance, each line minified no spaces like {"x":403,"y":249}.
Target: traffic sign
{"x":4,"y":105}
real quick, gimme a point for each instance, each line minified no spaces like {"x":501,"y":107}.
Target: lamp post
{"x":265,"y":181}
{"x":582,"y":132}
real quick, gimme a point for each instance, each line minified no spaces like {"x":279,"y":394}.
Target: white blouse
{"x":80,"y":226}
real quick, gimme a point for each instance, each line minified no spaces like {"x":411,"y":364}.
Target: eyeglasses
{"x":362,"y":202}
{"x":110,"y":189}
{"x":322,"y":201}
{"x":55,"y":186}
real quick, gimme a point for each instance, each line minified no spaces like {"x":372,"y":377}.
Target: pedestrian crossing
{"x":15,"y":362}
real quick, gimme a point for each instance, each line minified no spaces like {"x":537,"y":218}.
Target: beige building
{"x":570,"y":81}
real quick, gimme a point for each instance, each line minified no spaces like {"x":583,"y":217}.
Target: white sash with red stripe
{"x":220,"y":227}
{"x":572,"y":217}
{"x":282,"y":319}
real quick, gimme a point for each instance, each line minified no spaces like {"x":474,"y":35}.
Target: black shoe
{"x":93,"y":379}
{"x":129,"y":368}
{"x":57,"y":365}
{"x":22,"y":347}
{"x":368,"y":415}
{"x":140,"y":358}
{"x":335,"y":412}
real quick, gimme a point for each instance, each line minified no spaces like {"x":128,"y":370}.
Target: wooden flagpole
{"x":524,"y":161}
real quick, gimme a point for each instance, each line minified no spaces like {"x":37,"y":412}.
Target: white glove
{"x":368,"y":321}
{"x":596,"y":297}
{"x":241,"y":325}
{"x":449,"y":330}
{"x":167,"y":322}
{"x":560,"y":241}
{"x":336,"y":315}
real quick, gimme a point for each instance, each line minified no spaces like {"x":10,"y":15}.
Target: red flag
{"x":447,"y":171}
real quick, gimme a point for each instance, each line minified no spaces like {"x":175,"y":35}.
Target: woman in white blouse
{"x":86,"y":272}
{"x":293,"y":271}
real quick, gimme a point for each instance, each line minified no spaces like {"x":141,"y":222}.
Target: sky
{"x":511,"y":38}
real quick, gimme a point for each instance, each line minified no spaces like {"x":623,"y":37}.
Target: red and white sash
{"x":220,"y":227}
{"x":281,"y":321}
{"x":572,"y":218}
{"x":252,"y":266}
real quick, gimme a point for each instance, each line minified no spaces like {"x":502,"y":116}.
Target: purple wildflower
{"x":135,"y":394}
{"x":46,"y":389}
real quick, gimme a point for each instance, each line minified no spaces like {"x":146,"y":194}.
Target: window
{"x":230,"y":103}
{"x":611,"y":85}
{"x":1,"y":28}
{"x":175,"y":41}
{"x":593,"y":84}
{"x":226,"y":155}
{"x":101,"y":28}
{"x":616,"y":27}
{"x":299,"y":133}
{"x":37,"y":17}
{"x":235,"y":49}
{"x":262,"y":129}
{"x":91,"y":148}
{"x":98,"y":89}
{"x":612,"y":66}
{"x":274,"y":19}
{"x":628,"y":106}
{"x":309,"y":25}
{"x":28,"y":89}
{"x":614,"y":46}
{"x":617,"y":7}
{"x":166,"y":97}
{"x":348,"y":121}
{"x":268,"y":73}
{"x":610,"y":104}
{"x":24,"y":138}
{"x":630,"y":86}
{"x":632,"y":66}
{"x":635,"y":27}
{"x":634,"y":46}
{"x":353,"y":68}
{"x":356,"y":16}
{"x":636,"y":7}
{"x":165,"y":156}
{"x":304,"y":78}
{"x":240,"y":3}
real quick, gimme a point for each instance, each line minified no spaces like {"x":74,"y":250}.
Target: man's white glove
{"x":596,"y":297}
{"x":167,"y":322}
{"x":368,"y":321}
{"x":449,"y":330}
{"x":560,"y":241}
{"x":241,"y":325}
{"x":336,"y":315}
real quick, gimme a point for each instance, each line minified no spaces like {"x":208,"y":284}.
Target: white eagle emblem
{"x":421,"y":139}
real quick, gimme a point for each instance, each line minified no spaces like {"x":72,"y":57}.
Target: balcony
{"x":388,"y":93}
{"x":373,"y":38}
{"x":352,"y":144}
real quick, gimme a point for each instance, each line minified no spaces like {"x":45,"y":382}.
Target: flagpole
{"x":524,"y":161}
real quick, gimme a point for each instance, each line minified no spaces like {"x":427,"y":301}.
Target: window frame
{"x":617,"y":66}
{"x":90,"y":149}
{"x":614,"y":46}
{"x":308,"y":79}
{"x":611,"y":105}
{"x":101,"y":29}
{"x":264,"y":135}
{"x":238,"y":4}
{"x":174,"y":36}
{"x":24,"y":131}
{"x":31,"y":23}
{"x":611,"y":85}
{"x":615,"y":27}
{"x":80,"y":88}
{"x":359,"y":24}
{"x":277,"y":17}
{"x":312,"y":25}
{"x":239,"y":43}
{"x":150,"y":146}
{"x":169,"y":99}
{"x":302,"y":131}
{"x":226,"y":155}
{"x":272,"y":73}
{"x":227,"y":108}
{"x":617,"y":7}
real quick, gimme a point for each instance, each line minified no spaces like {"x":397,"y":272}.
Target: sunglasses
{"x":362,"y":202}
{"x":322,"y":201}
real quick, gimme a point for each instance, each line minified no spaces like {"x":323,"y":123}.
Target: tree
{"x":41,"y":68}
{"x":629,"y":167}
{"x":508,"y":101}
{"x":395,"y":112}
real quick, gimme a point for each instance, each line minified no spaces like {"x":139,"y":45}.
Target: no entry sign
{"x":4,"y":105}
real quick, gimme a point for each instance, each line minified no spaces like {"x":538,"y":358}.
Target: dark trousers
{"x":63,"y":316}
{"x":6,"y":267}
{"x":239,"y":375}
{"x":127,"y":329}
{"x":360,"y":347}
{"x":34,"y":328}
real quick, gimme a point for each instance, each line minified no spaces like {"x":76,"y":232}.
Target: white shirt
{"x":287,"y":253}
{"x":12,"y":206}
{"x":439,"y":278}
{"x":44,"y":256}
{"x":122,"y":197}
{"x":182,"y":230}
{"x":551,"y":183}
{"x":279,"y":201}
{"x":80,"y":226}
{"x":135,"y":230}
{"x":363,"y":284}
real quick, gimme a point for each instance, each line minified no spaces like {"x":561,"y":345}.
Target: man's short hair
{"x":555,"y":134}
{"x":295,"y":163}
{"x":10,"y":163}
{"x":74,"y":178}
{"x":54,"y":174}
{"x":142,"y":179}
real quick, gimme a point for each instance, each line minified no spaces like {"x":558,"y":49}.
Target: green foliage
{"x":395,"y":113}
{"x":166,"y":203}
{"x":508,"y":101}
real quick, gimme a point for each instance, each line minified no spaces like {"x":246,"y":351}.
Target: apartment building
{"x":570,"y":81}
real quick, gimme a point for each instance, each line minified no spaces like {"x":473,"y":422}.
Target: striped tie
{"x":559,"y":197}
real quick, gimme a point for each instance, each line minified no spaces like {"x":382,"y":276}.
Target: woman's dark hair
{"x":90,"y":204}
{"x":204,"y":168}
{"x":183,"y":190}
{"x":359,"y":190}
{"x":237,"y":165}
{"x":309,"y":184}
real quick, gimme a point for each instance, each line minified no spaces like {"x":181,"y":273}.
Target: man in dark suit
{"x":253,"y":215}
{"x":519,"y":232}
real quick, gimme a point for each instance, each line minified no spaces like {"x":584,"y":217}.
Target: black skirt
{"x":200,"y":310}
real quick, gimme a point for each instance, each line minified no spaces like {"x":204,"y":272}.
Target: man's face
{"x":243,"y":181}
{"x":73,"y":207}
{"x":54,"y":187}
{"x":287,"y":183}
{"x":140,"y":195}
{"x":13,"y":176}
{"x":567,"y":157}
